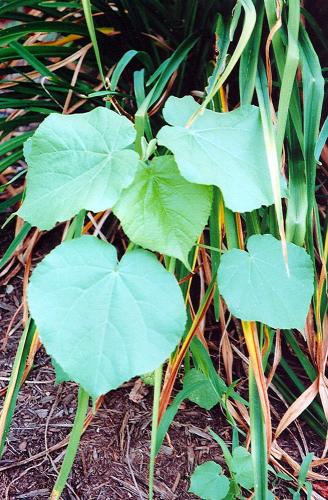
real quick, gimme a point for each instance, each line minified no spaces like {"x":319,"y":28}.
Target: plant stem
{"x":74,"y":441}
{"x":258,"y":440}
{"x":171,"y":267}
{"x":154,"y":427}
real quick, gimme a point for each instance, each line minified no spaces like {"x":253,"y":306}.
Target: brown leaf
{"x":297,"y":408}
{"x":138,"y":391}
{"x":255,"y":362}
{"x":276,"y":359}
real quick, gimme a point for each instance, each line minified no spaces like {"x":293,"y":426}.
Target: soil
{"x":113,"y":456}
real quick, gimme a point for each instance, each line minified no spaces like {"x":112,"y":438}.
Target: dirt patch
{"x":114,"y":453}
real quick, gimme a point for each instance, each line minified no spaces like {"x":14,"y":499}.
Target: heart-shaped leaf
{"x":75,"y":162}
{"x":257,"y":287}
{"x":223,"y":149}
{"x":162,"y":211}
{"x":105,"y":321}
{"x":208,"y":482}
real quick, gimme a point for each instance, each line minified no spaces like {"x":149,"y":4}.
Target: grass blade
{"x":73,"y":444}
{"x":16,"y":32}
{"x":288,"y":78}
{"x":271,"y":152}
{"x":258,"y":440}
{"x":16,"y":378}
{"x":92,"y":32}
{"x":321,"y":140}
{"x":14,"y":244}
{"x":249,"y":58}
{"x":154,"y":428}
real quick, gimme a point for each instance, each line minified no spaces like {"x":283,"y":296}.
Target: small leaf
{"x":77,"y":162}
{"x":162,"y":211}
{"x":105,"y":321}
{"x":206,"y":397}
{"x":208,"y":482}
{"x":304,"y":469}
{"x":309,"y":489}
{"x":256,"y":286}
{"x":242,"y":465}
{"x":284,"y":476}
{"x":148,"y":378}
{"x":221,"y":149}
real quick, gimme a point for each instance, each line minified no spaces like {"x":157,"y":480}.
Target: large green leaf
{"x":208,"y":482}
{"x":162,"y":211}
{"x":75,"y":162}
{"x":103,"y":321}
{"x":223,"y":149}
{"x":257,"y":287}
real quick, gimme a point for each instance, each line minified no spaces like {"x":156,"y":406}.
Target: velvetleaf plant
{"x":104,"y":321}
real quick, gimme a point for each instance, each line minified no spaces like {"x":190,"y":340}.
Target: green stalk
{"x":171,"y":65}
{"x":171,"y":266}
{"x":249,"y":23}
{"x":154,"y":428}
{"x":287,"y":84}
{"x":92,"y":32}
{"x":271,"y":151}
{"x":74,"y":441}
{"x":297,"y":196}
{"x":15,"y":243}
{"x":279,"y":53}
{"x":76,"y":228}
{"x":231,"y":229}
{"x":313,"y":94}
{"x":249,"y":58}
{"x":15,"y":381}
{"x":258,"y":440}
{"x":215,"y":240}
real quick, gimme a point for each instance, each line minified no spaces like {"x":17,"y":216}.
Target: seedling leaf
{"x":206,"y":397}
{"x":242,"y":465}
{"x":105,"y":321}
{"x":208,"y":482}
